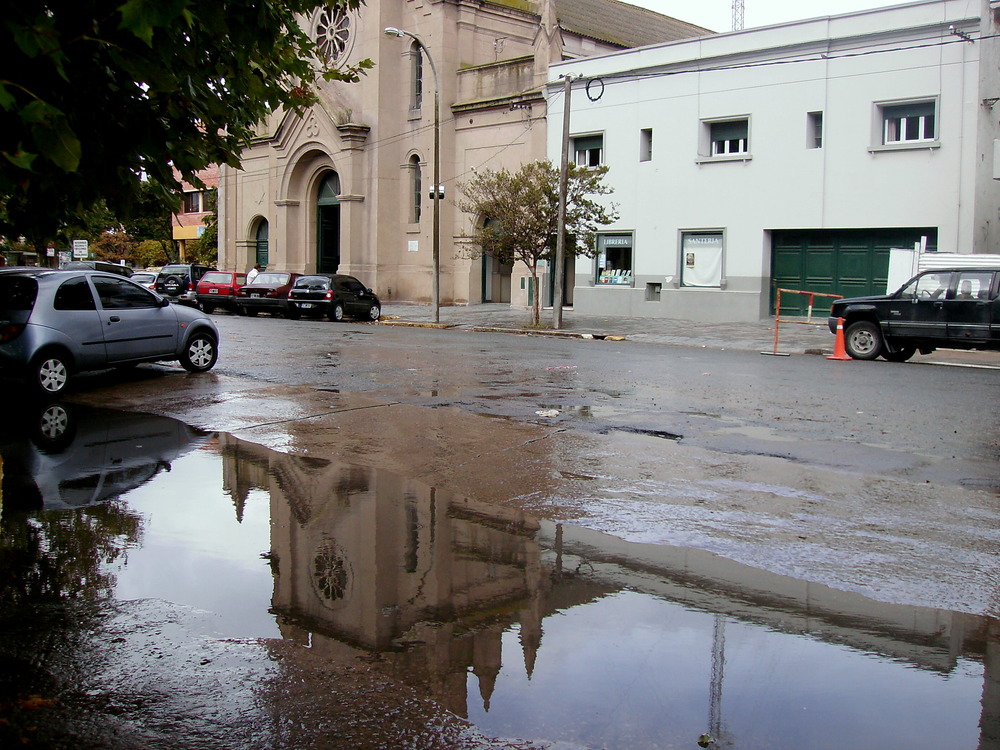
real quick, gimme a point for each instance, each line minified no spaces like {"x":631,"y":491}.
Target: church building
{"x":347,"y":187}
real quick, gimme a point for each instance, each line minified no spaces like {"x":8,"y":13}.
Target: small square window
{"x":908,"y":123}
{"x":192,"y":203}
{"x":730,"y":137}
{"x":589,"y":150}
{"x":814,"y":130}
{"x":646,"y":144}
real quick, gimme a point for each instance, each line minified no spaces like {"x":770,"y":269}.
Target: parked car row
{"x":56,"y":323}
{"x":292,"y":295}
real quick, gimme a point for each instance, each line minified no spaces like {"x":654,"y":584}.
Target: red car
{"x":267,"y":293}
{"x":218,"y":289}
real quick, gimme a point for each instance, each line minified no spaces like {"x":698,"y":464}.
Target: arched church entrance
{"x":328,"y":225}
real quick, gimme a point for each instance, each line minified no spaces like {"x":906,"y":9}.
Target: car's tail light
{"x":10,"y":331}
{"x":190,"y":286}
{"x":329,"y":294}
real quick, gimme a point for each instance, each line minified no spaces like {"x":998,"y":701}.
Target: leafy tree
{"x":95,"y":94}
{"x":517,"y":214}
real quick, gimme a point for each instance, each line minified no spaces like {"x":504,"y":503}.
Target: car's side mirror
{"x":164,"y":302}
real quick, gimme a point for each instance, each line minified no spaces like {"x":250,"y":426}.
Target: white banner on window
{"x":702,"y":260}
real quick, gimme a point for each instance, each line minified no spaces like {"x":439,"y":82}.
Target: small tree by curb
{"x":516,"y":215}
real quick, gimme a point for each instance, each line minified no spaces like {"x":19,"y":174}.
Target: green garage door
{"x":848,"y":262}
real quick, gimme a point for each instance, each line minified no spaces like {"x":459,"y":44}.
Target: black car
{"x":178,"y":282}
{"x":954,"y":308}
{"x":333,"y":296}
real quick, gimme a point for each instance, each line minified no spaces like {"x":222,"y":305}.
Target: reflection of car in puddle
{"x":67,"y":456}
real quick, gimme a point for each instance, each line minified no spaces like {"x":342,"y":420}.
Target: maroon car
{"x":218,"y":289}
{"x":267,"y":293}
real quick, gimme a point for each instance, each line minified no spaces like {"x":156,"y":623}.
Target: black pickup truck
{"x":952,"y":308}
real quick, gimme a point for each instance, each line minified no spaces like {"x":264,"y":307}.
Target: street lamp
{"x":436,"y":192}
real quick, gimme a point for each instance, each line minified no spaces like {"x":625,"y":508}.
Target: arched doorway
{"x":262,"y":252}
{"x":328,"y":225}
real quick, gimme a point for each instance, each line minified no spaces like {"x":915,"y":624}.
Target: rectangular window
{"x":730,"y":137}
{"x":814,"y":129}
{"x":192,"y":202}
{"x":701,"y":259}
{"x":646,"y":144}
{"x":589,"y":150}
{"x":908,"y":123}
{"x":614,"y":260}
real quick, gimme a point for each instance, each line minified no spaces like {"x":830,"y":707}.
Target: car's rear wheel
{"x":292,"y":313}
{"x":900,"y":354}
{"x":863,"y":340}
{"x":200,"y":353}
{"x":207,"y":308}
{"x":50,"y":373}
{"x":337,"y":311}
{"x":250,"y":312}
{"x":374,"y":312}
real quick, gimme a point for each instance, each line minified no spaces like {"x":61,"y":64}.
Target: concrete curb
{"x":504,"y":329}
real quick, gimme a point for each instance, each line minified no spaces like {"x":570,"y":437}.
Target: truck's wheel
{"x":863,"y":340}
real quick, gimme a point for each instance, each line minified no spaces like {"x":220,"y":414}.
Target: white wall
{"x":844,"y":66}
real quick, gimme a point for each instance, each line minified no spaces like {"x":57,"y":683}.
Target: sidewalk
{"x":794,"y":338}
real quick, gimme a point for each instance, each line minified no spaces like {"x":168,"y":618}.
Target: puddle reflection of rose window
{"x":331,"y":573}
{"x":333,"y":34}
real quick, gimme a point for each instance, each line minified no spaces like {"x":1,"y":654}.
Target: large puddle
{"x":527,"y":628}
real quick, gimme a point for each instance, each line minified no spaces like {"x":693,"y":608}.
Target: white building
{"x":792,"y":156}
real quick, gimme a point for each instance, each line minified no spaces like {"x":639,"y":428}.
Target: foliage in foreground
{"x":94,"y":94}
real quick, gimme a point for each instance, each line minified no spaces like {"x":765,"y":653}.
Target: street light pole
{"x":437,"y":193}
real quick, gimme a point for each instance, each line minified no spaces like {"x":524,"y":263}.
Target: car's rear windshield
{"x":216,"y":278}
{"x":271,"y":278}
{"x":17,"y":293}
{"x":167,"y":270}
{"x":313,"y":282}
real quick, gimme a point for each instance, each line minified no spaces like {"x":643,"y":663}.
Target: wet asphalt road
{"x":876,"y":477}
{"x":877,"y":480}
{"x":939,"y":423}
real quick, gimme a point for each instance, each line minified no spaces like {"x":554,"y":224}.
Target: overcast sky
{"x":717,"y":15}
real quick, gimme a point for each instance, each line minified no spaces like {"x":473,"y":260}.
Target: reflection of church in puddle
{"x":367,"y":559}
{"x":370,"y":563}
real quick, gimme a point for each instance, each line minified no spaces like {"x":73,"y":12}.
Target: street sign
{"x":80,"y":249}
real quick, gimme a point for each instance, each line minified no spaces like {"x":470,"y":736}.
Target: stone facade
{"x":346,"y":187}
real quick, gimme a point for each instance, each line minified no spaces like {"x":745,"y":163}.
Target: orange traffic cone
{"x":839,"y":351}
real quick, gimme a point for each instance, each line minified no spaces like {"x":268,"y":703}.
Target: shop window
{"x":614,"y":260}
{"x":701,"y":259}
{"x":589,"y":150}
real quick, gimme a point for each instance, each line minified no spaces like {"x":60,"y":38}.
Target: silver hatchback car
{"x":56,"y":323}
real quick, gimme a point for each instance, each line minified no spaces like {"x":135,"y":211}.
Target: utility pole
{"x":559,"y":266}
